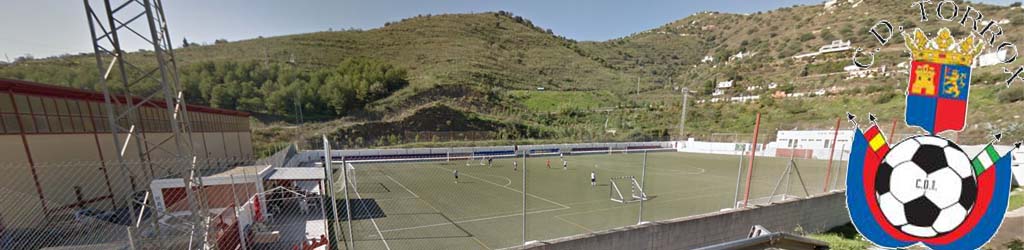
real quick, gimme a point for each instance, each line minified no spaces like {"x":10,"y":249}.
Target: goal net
{"x":348,"y":171}
{"x":474,"y":159}
{"x":625,"y":189}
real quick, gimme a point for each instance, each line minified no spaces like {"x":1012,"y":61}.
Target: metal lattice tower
{"x":123,"y":80}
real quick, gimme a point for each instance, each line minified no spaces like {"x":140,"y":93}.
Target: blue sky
{"x":52,"y":27}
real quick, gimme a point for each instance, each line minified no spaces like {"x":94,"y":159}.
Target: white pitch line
{"x":477,"y":219}
{"x":379,"y":233}
{"x":506,"y":178}
{"x":620,"y":207}
{"x":532,"y":212}
{"x":514,"y":190}
{"x":431,"y":207}
{"x":658,"y":171}
{"x":403,"y":186}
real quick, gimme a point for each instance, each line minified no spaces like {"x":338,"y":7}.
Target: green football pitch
{"x":419,"y":205}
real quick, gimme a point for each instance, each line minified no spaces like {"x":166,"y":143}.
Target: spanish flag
{"x":876,"y":142}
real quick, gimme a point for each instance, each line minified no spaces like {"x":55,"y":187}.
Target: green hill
{"x":518,"y":81}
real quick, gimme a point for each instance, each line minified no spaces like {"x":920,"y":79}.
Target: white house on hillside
{"x":988,"y":59}
{"x":724,"y":85}
{"x":718,"y":92}
{"x":707,"y":59}
{"x":857,"y":72}
{"x":835,"y":46}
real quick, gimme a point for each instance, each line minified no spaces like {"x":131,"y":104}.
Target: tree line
{"x":280,"y":89}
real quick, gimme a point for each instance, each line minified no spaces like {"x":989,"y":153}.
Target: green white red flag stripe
{"x":985,"y":159}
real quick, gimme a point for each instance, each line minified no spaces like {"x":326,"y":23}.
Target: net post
{"x":524,"y":199}
{"x":753,"y":151}
{"x":832,"y":153}
{"x":840,"y":170}
{"x":739,"y":175}
{"x":892,"y":133}
{"x":643,"y":195}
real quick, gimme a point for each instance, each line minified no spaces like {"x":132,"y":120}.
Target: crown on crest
{"x":944,"y":49}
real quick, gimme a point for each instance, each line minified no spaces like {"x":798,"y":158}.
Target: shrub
{"x":1012,"y":94}
{"x":885,"y":97}
{"x":806,"y":37}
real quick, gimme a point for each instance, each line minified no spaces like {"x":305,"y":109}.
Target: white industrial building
{"x":810,"y":143}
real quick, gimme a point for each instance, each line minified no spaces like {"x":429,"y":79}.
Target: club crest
{"x":925,"y":189}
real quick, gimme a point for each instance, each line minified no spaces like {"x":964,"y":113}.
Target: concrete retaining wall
{"x":814,"y":214}
{"x":307,"y":156}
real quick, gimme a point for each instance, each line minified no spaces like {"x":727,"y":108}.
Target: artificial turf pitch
{"x":418,"y":205}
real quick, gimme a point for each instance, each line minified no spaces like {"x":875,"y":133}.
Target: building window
{"x":826,"y":143}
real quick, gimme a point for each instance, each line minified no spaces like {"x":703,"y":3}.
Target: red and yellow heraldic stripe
{"x":876,"y":142}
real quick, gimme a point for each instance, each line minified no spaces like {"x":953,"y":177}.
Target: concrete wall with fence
{"x":810,"y":215}
{"x":462,"y":153}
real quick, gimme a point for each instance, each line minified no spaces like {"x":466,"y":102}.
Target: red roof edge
{"x":33,"y":88}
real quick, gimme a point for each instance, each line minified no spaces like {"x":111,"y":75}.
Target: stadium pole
{"x":682,"y":119}
{"x":348,"y":203}
{"x":643,"y":183}
{"x":753,"y":151}
{"x":892,"y":133}
{"x":524,"y":199}
{"x":840,"y":170}
{"x":739,"y":175}
{"x":328,"y":172}
{"x":828,"y":170}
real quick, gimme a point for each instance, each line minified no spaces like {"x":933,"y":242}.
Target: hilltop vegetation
{"x":505,"y":76}
{"x":278,"y":89}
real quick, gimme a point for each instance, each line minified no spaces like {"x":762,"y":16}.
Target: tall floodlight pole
{"x":682,"y":118}
{"x":329,"y":175}
{"x":643,"y":195}
{"x":739,"y":174}
{"x":143,"y":21}
{"x":524,"y":197}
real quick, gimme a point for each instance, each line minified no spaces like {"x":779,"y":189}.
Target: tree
{"x":806,"y":37}
{"x":225,"y":96}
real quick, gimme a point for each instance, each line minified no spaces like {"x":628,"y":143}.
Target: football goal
{"x":625,"y":189}
{"x":473,"y":159}
{"x":349,"y":171}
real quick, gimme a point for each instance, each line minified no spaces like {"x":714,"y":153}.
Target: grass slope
{"x":491,"y":64}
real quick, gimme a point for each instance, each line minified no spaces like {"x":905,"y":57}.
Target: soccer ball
{"x":925,"y":186}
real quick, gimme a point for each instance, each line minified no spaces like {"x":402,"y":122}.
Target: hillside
{"x":487,"y":69}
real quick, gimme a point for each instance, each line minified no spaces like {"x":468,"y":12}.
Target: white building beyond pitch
{"x":817,"y":144}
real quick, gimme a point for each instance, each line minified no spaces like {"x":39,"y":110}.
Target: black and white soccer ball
{"x":925,"y":186}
